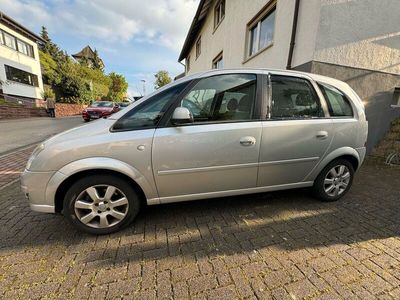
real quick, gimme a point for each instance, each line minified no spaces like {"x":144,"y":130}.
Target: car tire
{"x":86,"y":120}
{"x":101,"y":204}
{"x":334,"y":181}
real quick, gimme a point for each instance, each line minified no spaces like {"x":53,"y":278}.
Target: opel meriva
{"x":213,"y":134}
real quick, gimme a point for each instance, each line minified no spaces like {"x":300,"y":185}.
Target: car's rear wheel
{"x":101,"y":204}
{"x":334,"y":181}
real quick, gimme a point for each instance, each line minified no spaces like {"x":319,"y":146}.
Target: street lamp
{"x":144,"y":87}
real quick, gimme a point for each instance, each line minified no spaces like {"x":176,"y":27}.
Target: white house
{"x":19,"y":61}
{"x":357,"y":41}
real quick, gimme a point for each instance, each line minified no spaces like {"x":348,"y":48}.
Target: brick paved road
{"x":13,"y":164}
{"x":278,"y":245}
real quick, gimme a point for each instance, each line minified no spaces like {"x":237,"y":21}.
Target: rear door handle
{"x":247,"y":141}
{"x":322,"y":135}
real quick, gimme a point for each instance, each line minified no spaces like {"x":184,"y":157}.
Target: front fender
{"x":330,"y":157}
{"x":93,"y":163}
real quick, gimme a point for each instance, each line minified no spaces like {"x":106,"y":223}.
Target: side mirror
{"x":181,"y":115}
{"x":116,"y":108}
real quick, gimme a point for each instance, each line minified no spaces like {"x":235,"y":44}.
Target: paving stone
{"x":268,"y":246}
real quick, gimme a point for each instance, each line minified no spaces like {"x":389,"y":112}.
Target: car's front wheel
{"x":101,"y":204}
{"x":334,"y":181}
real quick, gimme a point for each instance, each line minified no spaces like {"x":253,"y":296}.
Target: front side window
{"x":21,"y":76}
{"x":229,"y":97}
{"x":338,"y":104}
{"x":294,"y":98}
{"x":261,"y":34}
{"x":149,"y":113}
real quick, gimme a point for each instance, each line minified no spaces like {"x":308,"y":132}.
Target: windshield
{"x":102,"y":104}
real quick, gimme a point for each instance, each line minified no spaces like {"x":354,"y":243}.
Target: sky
{"x":135,"y":38}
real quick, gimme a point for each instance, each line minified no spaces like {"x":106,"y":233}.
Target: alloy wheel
{"x":101,"y":206}
{"x":337,"y":180}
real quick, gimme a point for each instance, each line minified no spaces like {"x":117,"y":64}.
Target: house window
{"x":261,"y":31}
{"x":17,"y":75}
{"x":9,"y":41}
{"x":198,"y":47}
{"x":219,"y":13}
{"x":16,"y":44}
{"x":396,"y":98}
{"x":218,"y":62}
{"x":188,"y":63}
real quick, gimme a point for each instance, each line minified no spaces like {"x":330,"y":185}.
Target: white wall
{"x":363,"y":34}
{"x":357,"y":33}
{"x":230,"y":36}
{"x":23,"y":62}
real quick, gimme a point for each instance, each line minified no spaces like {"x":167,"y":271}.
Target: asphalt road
{"x":15,"y":134}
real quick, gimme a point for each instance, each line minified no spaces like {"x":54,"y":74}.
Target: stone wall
{"x":391,"y":142}
{"x":10,"y":111}
{"x":69,"y":109}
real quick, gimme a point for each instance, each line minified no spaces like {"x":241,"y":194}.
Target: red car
{"x":99,"y":109}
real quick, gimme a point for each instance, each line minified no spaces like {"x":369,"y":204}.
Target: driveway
{"x":22,"y":132}
{"x":282,"y":245}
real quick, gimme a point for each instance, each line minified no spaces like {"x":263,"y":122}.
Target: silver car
{"x":213,"y":134}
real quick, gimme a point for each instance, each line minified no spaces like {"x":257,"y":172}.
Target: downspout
{"x":293,"y":37}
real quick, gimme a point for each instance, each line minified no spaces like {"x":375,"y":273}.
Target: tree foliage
{"x":162,"y":78}
{"x":97,"y":62}
{"x":77,"y":82}
{"x":118,"y":87}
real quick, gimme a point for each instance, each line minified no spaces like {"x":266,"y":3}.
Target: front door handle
{"x":248,"y":141}
{"x":322,"y":135}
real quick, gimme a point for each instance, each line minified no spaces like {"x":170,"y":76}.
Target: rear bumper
{"x":34,"y":185}
{"x":361,"y":153}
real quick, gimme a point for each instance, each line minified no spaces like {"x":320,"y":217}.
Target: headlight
{"x":34,"y":154}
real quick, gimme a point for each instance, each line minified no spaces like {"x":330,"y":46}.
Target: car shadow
{"x":288,"y":220}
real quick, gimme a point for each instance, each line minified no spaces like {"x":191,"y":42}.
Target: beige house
{"x":354,"y":41}
{"x":19,"y":61}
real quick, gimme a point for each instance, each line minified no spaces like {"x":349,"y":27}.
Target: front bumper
{"x":34,"y":185}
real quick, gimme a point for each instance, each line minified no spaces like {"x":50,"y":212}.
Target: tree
{"x":77,"y":82}
{"x":118,"y":87}
{"x":162,"y":78}
{"x":49,"y":47}
{"x":97,"y":62}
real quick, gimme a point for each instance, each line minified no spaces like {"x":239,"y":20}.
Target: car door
{"x":219,"y":151}
{"x":296,"y":134}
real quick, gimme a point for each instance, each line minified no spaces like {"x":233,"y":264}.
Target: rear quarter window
{"x":338,"y":103}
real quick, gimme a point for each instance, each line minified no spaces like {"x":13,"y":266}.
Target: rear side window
{"x":338,"y":104}
{"x":294,"y":98}
{"x":148,"y":114}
